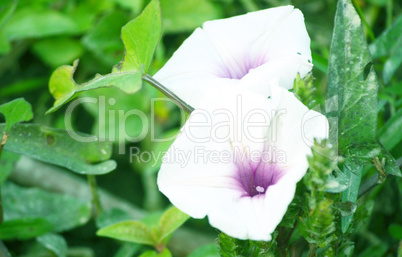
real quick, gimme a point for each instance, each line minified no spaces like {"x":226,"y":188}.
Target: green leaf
{"x":34,"y":23}
{"x":171,"y":220}
{"x":186,"y":15}
{"x":7,"y":163}
{"x":24,"y":228}
{"x":16,"y":111}
{"x":58,"y":147}
{"x":6,"y":13}
{"x":104,"y":39}
{"x":140,"y":37}
{"x":58,"y":50}
{"x":54,"y":243}
{"x":390,"y":134}
{"x":396,"y":231}
{"x":211,"y":250}
{"x":356,"y":99}
{"x":131,"y":231}
{"x":110,"y":217}
{"x":62,"y":211}
{"x":128,"y":250}
{"x":389,"y":44}
{"x":164,"y":253}
{"x":63,"y":87}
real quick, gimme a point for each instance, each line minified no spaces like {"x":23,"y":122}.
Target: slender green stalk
{"x":3,"y":142}
{"x":95,"y":196}
{"x":366,"y":25}
{"x":367,"y":185}
{"x":172,"y":96}
{"x":311,"y":251}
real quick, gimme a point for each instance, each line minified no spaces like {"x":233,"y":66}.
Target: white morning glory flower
{"x":238,"y":158}
{"x":262,"y":46}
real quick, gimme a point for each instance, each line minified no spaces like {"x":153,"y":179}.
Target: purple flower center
{"x":254,"y":179}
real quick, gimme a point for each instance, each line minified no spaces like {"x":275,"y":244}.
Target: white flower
{"x":238,"y":159}
{"x":261,"y":46}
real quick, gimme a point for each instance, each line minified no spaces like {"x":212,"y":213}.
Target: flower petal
{"x":271,"y":44}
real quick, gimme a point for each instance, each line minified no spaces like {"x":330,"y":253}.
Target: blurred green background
{"x":37,"y":36}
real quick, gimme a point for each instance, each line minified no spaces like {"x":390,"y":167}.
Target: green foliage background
{"x":37,"y":36}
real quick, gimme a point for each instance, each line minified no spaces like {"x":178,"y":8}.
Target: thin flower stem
{"x":168,"y":93}
{"x":361,"y":15}
{"x":3,"y":142}
{"x":249,"y":5}
{"x":95,"y":196}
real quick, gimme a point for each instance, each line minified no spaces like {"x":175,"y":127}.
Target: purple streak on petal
{"x":255,"y":178}
{"x":234,"y":70}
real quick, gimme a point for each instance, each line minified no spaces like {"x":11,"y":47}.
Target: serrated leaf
{"x":16,"y":111}
{"x":131,"y":231}
{"x":62,"y":211}
{"x":24,"y":228}
{"x":58,"y":147}
{"x":171,"y":220}
{"x":54,"y":243}
{"x":140,"y":38}
{"x":63,"y":87}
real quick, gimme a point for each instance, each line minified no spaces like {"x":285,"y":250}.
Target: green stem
{"x":3,"y":142}
{"x":172,"y":96}
{"x":361,"y":15}
{"x":95,"y":196}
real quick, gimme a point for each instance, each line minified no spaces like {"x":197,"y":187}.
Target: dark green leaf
{"x":23,"y":86}
{"x":58,"y":147}
{"x":16,"y":111}
{"x":396,"y":231}
{"x":140,"y":37}
{"x":54,"y":243}
{"x":63,"y":87}
{"x":62,"y":211}
{"x":58,"y":51}
{"x":128,"y":250}
{"x":186,"y":15}
{"x":131,"y":231}
{"x":24,"y":228}
{"x":354,"y":173}
{"x":171,"y":220}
